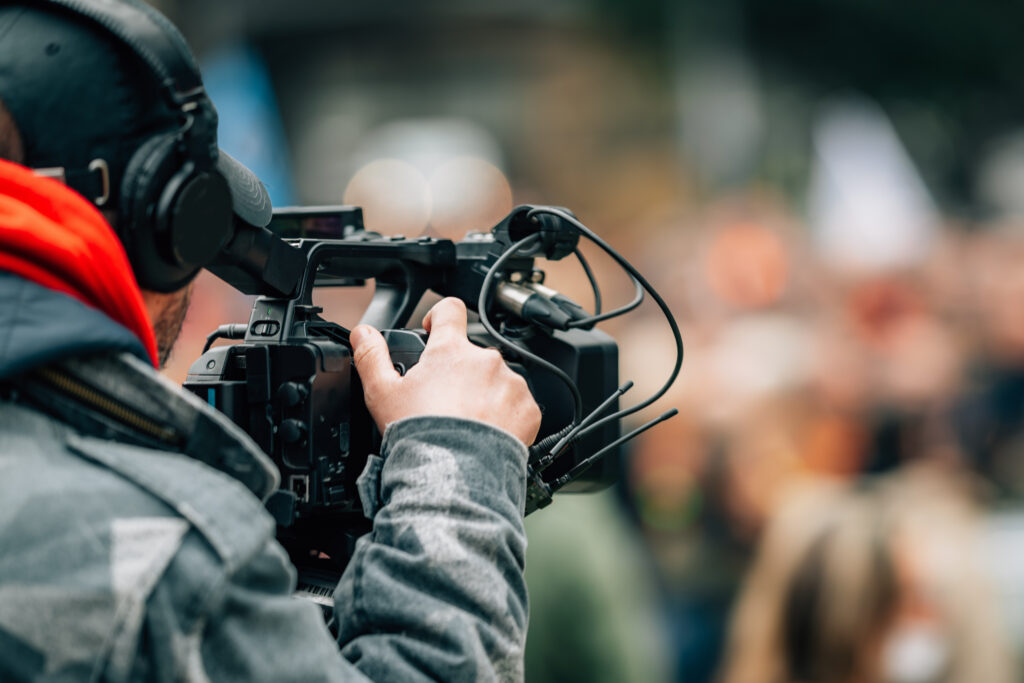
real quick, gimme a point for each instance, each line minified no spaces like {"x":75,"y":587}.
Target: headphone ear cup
{"x":176,"y":218}
{"x":194,"y":217}
{"x":145,"y":178}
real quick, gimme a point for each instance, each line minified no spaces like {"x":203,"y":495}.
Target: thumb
{"x":373,"y":362}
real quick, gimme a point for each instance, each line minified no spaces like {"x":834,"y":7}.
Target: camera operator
{"x":123,"y":558}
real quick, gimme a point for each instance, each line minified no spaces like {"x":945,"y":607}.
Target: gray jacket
{"x":120,"y":562}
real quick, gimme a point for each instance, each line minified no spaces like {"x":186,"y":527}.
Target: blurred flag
{"x":867,"y":205}
{"x":250,"y":127}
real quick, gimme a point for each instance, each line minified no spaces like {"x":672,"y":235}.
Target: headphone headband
{"x":177,"y":194}
{"x":150,"y":36}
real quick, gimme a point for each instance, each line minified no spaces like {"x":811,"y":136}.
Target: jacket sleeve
{"x":434,"y":592}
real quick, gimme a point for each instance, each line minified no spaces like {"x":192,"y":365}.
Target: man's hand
{"x":453,"y":378}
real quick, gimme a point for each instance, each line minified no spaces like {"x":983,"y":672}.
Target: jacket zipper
{"x":109,"y":407}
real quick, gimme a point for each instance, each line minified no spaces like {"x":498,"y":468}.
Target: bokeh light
{"x":395,"y":197}
{"x":468,"y":194}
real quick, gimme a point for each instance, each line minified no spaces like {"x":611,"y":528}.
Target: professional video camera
{"x":292,"y":386}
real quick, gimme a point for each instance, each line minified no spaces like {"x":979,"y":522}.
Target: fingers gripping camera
{"x":453,"y":377}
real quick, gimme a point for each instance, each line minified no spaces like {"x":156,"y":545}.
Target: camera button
{"x":265,"y":328}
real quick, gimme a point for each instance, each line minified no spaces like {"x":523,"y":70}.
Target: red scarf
{"x":50,"y":235}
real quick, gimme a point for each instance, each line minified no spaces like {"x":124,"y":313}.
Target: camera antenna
{"x":566,"y":436}
{"x":582,"y":466}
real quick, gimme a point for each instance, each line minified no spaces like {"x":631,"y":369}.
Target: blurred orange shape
{"x":747,"y":266}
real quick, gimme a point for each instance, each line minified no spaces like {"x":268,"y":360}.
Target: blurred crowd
{"x":828,"y":195}
{"x":832,"y":502}
{"x":823,"y":508}
{"x":817,"y":512}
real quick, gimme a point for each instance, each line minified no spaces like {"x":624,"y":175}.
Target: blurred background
{"x":830,"y":196}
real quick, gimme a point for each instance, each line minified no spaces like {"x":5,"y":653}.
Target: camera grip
{"x":405,"y":347}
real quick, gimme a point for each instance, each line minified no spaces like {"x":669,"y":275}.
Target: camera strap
{"x":120,"y":398}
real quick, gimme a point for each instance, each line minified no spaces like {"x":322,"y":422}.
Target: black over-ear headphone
{"x":175,"y":210}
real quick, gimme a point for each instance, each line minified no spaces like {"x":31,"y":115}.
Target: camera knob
{"x":292,"y":431}
{"x":291,"y":394}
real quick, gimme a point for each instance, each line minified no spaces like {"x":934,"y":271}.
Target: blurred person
{"x":913,"y":357}
{"x":873,"y":581}
{"x":773,"y":446}
{"x":701,"y":493}
{"x":747,"y":265}
{"x":593,"y":611}
{"x":126,"y":554}
{"x":996,"y":289}
{"x":748,"y":256}
{"x":674,"y":491}
{"x":900,"y":366}
{"x":989,"y":412}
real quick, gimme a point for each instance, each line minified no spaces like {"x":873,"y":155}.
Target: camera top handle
{"x":258,"y":261}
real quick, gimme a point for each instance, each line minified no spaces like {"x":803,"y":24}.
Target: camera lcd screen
{"x":331,"y":222}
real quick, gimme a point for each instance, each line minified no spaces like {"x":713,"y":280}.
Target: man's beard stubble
{"x":167,"y":325}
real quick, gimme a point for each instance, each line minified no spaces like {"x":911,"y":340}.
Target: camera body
{"x":291,"y":384}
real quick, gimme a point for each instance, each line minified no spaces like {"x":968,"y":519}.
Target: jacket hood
{"x":39,"y":326}
{"x":51,"y":239}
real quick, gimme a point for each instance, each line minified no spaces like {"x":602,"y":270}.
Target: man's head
{"x":166,"y":311}
{"x":107,"y":97}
